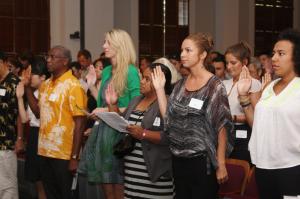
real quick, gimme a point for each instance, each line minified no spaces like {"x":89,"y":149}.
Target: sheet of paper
{"x":114,"y":120}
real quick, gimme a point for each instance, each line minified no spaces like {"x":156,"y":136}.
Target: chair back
{"x":251,"y":187}
{"x":238,"y":171}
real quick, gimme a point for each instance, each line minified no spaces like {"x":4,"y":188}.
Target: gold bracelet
{"x":244,"y":98}
{"x":244,"y":103}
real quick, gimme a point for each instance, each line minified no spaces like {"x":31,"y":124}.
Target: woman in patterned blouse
{"x":198,"y":122}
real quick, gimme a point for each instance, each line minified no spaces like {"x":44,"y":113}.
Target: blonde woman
{"x":98,"y":161}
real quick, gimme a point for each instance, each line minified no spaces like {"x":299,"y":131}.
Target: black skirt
{"x":32,"y":165}
{"x":240,"y":150}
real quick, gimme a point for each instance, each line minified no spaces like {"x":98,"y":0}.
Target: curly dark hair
{"x":85,"y":53}
{"x":292,"y":36}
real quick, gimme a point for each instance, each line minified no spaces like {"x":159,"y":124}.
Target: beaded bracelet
{"x":246,"y":104}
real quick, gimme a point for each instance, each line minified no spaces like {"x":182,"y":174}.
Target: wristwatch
{"x":74,"y":157}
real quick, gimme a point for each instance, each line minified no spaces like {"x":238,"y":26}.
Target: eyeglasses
{"x":54,"y":57}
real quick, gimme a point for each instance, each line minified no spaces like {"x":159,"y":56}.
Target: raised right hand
{"x":111,"y":96}
{"x":91,"y":77}
{"x":26,"y":75}
{"x":20,"y":90}
{"x":158,"y":78}
{"x":266,"y":79}
{"x":244,"y":83}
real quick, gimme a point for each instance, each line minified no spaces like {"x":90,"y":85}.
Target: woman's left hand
{"x":135,"y":131}
{"x":111,"y":96}
{"x":221,"y":174}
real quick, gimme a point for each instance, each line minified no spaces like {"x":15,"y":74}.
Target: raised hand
{"x":266,"y":79}
{"x":20,"y":90}
{"x":111,"y":96}
{"x":158,"y":78}
{"x":25,"y":76}
{"x":91,"y":76}
{"x":244,"y":83}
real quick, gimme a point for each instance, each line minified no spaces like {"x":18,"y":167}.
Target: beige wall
{"x":127,"y":18}
{"x":99,"y":18}
{"x":228,"y":21}
{"x":202,"y":16}
{"x":227,"y":18}
{"x":297,"y":14}
{"x":65,"y":19}
{"x":247,"y":22}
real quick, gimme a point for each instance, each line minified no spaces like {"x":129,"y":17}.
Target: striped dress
{"x":136,"y":179}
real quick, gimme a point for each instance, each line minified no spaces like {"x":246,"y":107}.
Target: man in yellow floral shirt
{"x":61,"y":100}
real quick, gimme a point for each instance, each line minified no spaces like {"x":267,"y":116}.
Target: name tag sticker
{"x":241,"y":134}
{"x":53,"y":97}
{"x":196,"y":103}
{"x":156,"y":122}
{"x":2,"y":92}
{"x":97,"y":123}
{"x":291,"y":197}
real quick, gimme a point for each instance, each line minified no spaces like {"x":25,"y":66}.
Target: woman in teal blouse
{"x":98,"y":161}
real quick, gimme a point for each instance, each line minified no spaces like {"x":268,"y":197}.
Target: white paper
{"x":241,"y":134}
{"x":74,"y":182}
{"x":290,"y":197}
{"x":156,"y":122}
{"x":2,"y":92}
{"x":196,"y":103}
{"x":114,"y":120}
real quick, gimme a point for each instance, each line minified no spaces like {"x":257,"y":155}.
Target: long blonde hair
{"x":122,"y":44}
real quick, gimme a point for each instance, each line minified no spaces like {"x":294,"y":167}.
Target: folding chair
{"x":238,"y":171}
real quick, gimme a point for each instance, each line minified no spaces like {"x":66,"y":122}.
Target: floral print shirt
{"x":8,"y":112}
{"x":59,"y":101}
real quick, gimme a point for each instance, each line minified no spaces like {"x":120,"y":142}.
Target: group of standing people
{"x":181,"y":132}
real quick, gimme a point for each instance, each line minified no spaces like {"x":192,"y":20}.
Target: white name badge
{"x":2,"y":92}
{"x":196,"y":103}
{"x":156,"y":122}
{"x":241,"y":134}
{"x":53,"y":97}
{"x":291,"y":197}
{"x":97,"y":123}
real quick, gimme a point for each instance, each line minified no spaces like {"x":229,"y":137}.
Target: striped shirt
{"x":136,"y":180}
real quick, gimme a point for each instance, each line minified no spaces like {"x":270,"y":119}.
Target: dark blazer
{"x":157,"y":156}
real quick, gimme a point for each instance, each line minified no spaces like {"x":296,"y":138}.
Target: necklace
{"x":231,"y":88}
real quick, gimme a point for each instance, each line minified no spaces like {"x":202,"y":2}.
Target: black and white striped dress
{"x":136,"y":180}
